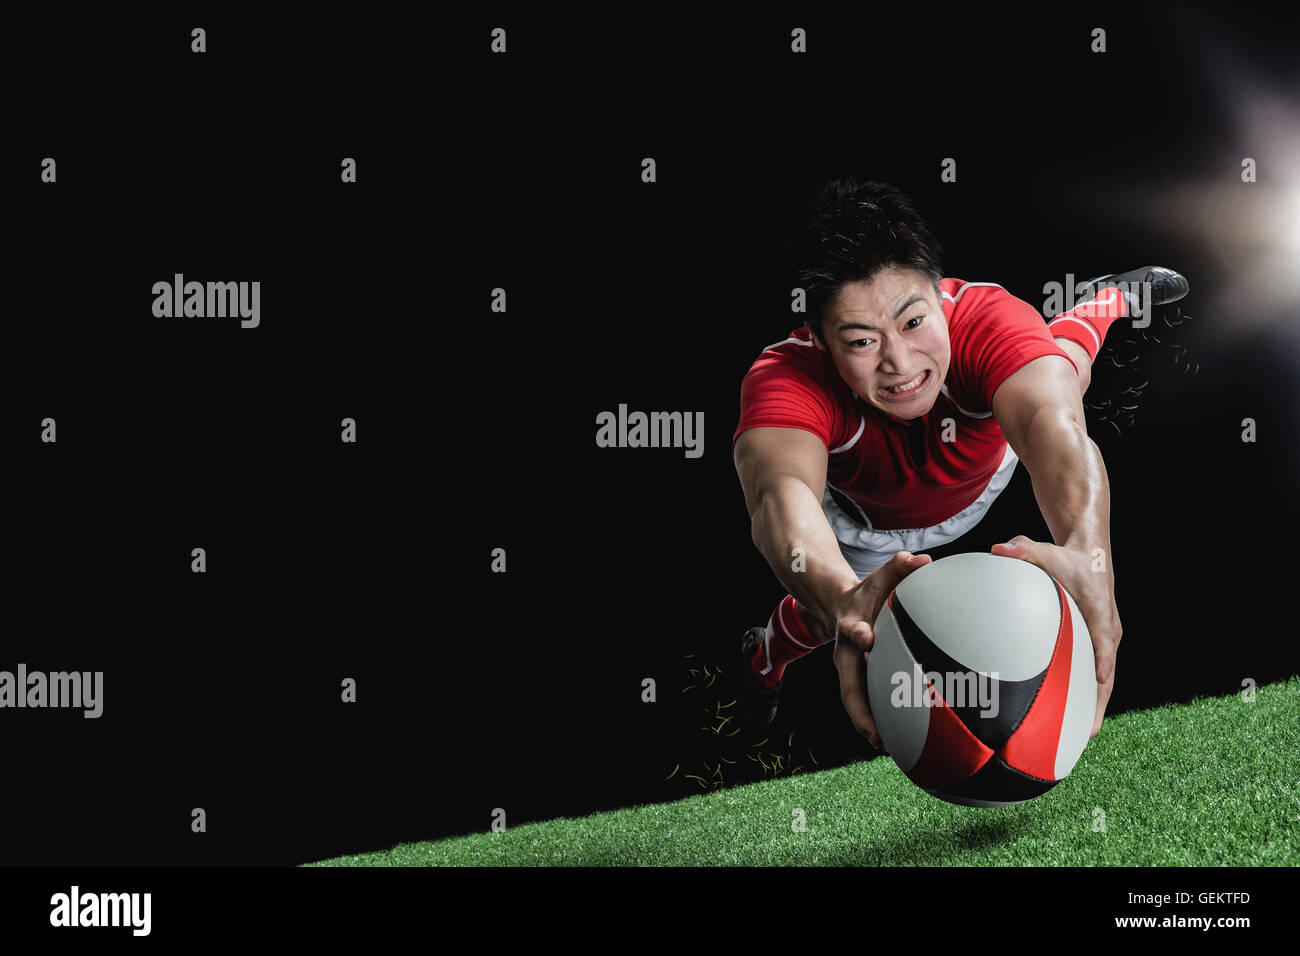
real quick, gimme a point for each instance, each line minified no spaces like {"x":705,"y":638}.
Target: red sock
{"x":786,"y":640}
{"x":1087,"y":322}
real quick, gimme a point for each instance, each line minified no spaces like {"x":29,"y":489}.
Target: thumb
{"x":1015,"y":547}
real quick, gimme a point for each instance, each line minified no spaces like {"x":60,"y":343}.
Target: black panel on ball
{"x":1013,"y":697}
{"x":999,"y":782}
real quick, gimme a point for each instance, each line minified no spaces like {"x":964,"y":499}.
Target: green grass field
{"x":1208,"y":783}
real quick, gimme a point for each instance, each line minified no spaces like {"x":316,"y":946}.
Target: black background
{"x":521,"y":690}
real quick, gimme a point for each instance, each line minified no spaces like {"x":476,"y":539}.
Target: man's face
{"x":888,"y":332}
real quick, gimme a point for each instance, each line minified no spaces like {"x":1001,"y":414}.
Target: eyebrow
{"x":916,"y":297}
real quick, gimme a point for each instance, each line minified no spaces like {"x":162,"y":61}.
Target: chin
{"x":907,"y":414}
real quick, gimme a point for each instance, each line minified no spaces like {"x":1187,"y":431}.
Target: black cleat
{"x":758,"y":700}
{"x":1166,"y":286}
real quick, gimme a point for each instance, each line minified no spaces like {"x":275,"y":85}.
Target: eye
{"x":859,"y":343}
{"x":917,"y":319}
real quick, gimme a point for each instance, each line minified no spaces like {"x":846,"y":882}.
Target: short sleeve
{"x":781,"y":391}
{"x":1004,"y":335}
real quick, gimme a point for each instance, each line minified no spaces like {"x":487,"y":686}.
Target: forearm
{"x":1070,"y":483}
{"x":791,"y":532}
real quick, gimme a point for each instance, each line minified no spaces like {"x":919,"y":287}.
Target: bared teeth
{"x":906,"y":385}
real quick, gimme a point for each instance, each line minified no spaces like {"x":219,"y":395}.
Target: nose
{"x":894,"y":355}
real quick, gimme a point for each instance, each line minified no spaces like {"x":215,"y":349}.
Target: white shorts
{"x":866,"y":548}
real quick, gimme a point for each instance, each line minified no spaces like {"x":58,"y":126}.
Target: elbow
{"x":1055,"y":440}
{"x":757,"y":520}
{"x":756,"y":523}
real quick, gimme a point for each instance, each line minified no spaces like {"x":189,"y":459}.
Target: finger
{"x":1027,"y":549}
{"x":1017,"y":547}
{"x":862,"y":635}
{"x":1103,"y":698}
{"x":1104,"y":649}
{"x":888,"y":576}
{"x":853,"y":686}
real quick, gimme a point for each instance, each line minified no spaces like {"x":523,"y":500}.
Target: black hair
{"x":853,"y":231}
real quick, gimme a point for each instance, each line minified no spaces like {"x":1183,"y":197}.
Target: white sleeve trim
{"x":969,"y":414}
{"x":968,"y":285}
{"x":787,"y":342}
{"x":862,"y":424}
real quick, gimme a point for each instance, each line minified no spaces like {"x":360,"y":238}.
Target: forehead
{"x":878,"y":301}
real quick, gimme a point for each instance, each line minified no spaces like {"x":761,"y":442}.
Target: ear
{"x":816,"y":340}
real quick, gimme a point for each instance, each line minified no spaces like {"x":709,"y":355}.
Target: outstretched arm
{"x":1040,"y":411}
{"x":783,"y":472}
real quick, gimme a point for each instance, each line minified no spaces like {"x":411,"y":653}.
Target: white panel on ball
{"x":1002,"y":636}
{"x":1081,"y":699}
{"x":904,"y":728}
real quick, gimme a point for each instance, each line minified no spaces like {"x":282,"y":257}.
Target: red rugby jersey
{"x":871,"y":460}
